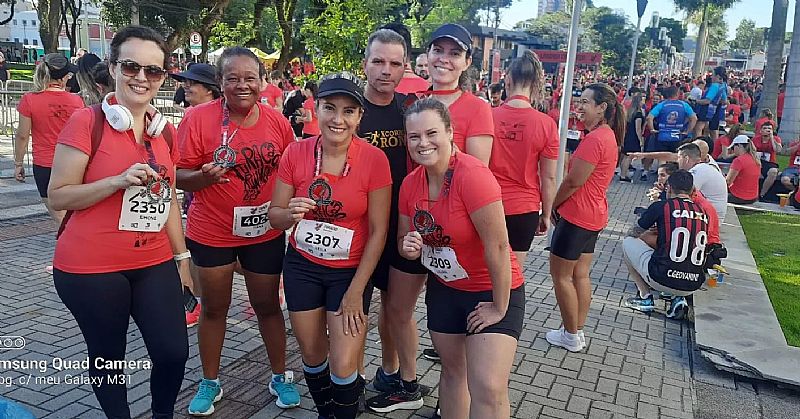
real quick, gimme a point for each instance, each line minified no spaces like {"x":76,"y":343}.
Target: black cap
{"x":456,"y":32}
{"x":87,"y":62}
{"x":199,"y":72}
{"x":343,"y":83}
{"x":58,"y":65}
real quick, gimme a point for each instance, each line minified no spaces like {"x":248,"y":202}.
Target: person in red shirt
{"x":781,"y":101}
{"x":334,"y":191}
{"x":309,"y":116}
{"x":582,"y":207}
{"x":230,"y":149}
{"x":766,"y":115}
{"x":449,"y":56}
{"x":42,"y":115}
{"x":744,"y":173}
{"x":791,"y":175}
{"x":271,"y":94}
{"x":116,"y":255}
{"x":721,"y":144}
{"x":733,"y":111}
{"x":452,"y":213}
{"x":524,"y":156}
{"x":767,"y":145}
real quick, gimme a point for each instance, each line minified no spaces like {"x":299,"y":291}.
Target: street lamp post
{"x":640,"y":6}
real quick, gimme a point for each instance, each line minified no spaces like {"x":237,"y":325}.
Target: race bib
{"x":443,"y":263}
{"x":573,"y":134}
{"x":797,"y":160}
{"x":250,"y":221}
{"x":723,"y":123}
{"x":763,"y":156}
{"x":323,"y":240}
{"x":140,"y":214}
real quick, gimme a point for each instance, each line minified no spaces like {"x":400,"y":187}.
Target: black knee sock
{"x":318,"y":379}
{"x":345,"y":396}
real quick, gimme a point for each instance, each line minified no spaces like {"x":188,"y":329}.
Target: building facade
{"x":550,"y":6}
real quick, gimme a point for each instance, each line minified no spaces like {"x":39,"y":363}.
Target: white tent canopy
{"x":213,"y":55}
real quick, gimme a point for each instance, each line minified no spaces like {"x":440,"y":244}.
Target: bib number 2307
{"x":443,"y":263}
{"x":140,"y":214}
{"x":323,"y":240}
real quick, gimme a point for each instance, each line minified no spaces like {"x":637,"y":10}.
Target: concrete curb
{"x":736,"y":326}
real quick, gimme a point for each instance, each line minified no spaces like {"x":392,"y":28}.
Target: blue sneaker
{"x":282,"y":386}
{"x":641,"y":304}
{"x":208,"y":393}
{"x":385,"y":383}
{"x":678,"y":309}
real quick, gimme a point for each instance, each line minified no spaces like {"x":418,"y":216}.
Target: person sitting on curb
{"x":672,"y":259}
{"x":791,"y":174}
{"x":657,"y":191}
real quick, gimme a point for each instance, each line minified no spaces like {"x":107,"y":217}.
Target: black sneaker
{"x":431,"y":355}
{"x":437,"y":414}
{"x":643,"y":178}
{"x":384,"y":383}
{"x":400,"y":399}
{"x":625,"y":179}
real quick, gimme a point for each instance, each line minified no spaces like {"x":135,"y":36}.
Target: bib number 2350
{"x":323,"y":240}
{"x":140,"y":214}
{"x":443,"y":263}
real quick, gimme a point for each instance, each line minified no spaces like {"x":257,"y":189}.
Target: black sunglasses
{"x":131,"y":68}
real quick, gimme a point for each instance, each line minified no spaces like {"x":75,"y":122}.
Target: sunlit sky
{"x":758,"y":10}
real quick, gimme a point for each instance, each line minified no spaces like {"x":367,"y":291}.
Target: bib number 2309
{"x":323,"y":240}
{"x":140,"y":214}
{"x":443,"y":263}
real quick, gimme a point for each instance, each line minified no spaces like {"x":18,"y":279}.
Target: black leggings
{"x":103,"y":304}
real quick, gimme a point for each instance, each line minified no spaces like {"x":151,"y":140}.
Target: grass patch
{"x":783,"y":161}
{"x":768,"y":236}
{"x":21,"y":74}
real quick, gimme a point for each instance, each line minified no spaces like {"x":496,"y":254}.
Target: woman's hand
{"x":185,"y":273}
{"x":299,"y":207}
{"x":352,"y":312}
{"x":544,"y":225}
{"x":412,"y":245}
{"x":484,"y":315}
{"x":214,"y":173}
{"x":19,"y":173}
{"x":136,"y":175}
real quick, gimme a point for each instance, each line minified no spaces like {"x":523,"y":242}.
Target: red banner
{"x":583,"y":58}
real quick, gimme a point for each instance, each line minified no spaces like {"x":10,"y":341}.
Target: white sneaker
{"x":582,"y":337}
{"x":564,"y":339}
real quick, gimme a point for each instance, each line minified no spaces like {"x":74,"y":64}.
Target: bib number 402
{"x":254,"y":220}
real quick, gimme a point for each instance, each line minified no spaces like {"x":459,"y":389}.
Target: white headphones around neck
{"x":121,"y":119}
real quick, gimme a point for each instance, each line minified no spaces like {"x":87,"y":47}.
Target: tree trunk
{"x":49,"y":12}
{"x":790,"y":124}
{"x":284,"y":9}
{"x":135,"y":12}
{"x":699,"y":49}
{"x":212,"y":16}
{"x":772,"y":73}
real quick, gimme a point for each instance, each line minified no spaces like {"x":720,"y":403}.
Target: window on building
{"x":35,"y":42}
{"x":15,"y":22}
{"x":16,"y":39}
{"x":24,"y":22}
{"x":25,"y":41}
{"x":33,"y":23}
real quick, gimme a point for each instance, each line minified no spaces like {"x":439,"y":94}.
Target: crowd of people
{"x":410,"y":181}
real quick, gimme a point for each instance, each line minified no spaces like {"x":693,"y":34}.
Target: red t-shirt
{"x":92,"y":241}
{"x":745,"y":186}
{"x":711,"y":212}
{"x":258,"y":151}
{"x":588,"y":206}
{"x":271,"y":95}
{"x":761,"y":121}
{"x":794,"y":159}
{"x":49,"y":112}
{"x":554,"y":113}
{"x":764,"y":145}
{"x":734,"y":111}
{"x":522,"y":137}
{"x":721,"y":143}
{"x":369,"y":171}
{"x":746,"y":102}
{"x":311,"y":127}
{"x":411,"y":83}
{"x":471,"y":117}
{"x":472,"y":187}
{"x":781,"y":100}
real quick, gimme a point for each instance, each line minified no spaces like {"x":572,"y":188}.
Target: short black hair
{"x":681,"y":182}
{"x":401,"y":30}
{"x":238,"y":51}
{"x":670,"y":92}
{"x":495,"y":88}
{"x":669,"y":167}
{"x":690,"y":149}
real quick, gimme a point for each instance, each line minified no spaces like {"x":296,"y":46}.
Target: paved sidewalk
{"x":635,"y":365}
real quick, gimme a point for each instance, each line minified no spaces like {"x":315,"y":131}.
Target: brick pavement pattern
{"x":635,"y":365}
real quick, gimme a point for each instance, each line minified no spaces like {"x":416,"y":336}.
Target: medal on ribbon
{"x":320,"y":191}
{"x":158,"y":191}
{"x":225,"y":156}
{"x":423,"y":221}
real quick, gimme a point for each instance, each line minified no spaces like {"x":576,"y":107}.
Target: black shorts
{"x":702,"y":113}
{"x":631,"y":144}
{"x":261,"y":258}
{"x":572,"y":145}
{"x":653,"y":144}
{"x":448,"y":309}
{"x":766,"y":166}
{"x":521,"y":230}
{"x":570,"y":241}
{"x":713,"y":123}
{"x":41,"y":175}
{"x":308,"y":285}
{"x":733,"y":199}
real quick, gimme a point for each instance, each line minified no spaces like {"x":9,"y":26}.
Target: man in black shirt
{"x":670,"y":259}
{"x":383,"y":126}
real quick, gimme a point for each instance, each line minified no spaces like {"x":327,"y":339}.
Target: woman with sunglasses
{"x":449,"y":57}
{"x":42,"y":114}
{"x":581,"y":207}
{"x":451,"y":216}
{"x":114,"y":258}
{"x":230,"y":149}
{"x":334,"y":190}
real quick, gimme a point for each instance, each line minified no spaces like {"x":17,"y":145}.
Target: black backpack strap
{"x":98,"y":119}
